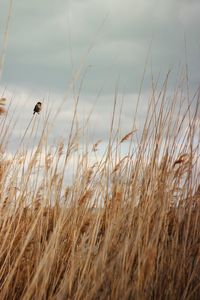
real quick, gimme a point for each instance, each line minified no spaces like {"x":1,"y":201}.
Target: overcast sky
{"x":104,"y":41}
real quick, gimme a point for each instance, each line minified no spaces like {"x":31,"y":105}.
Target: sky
{"x":54,"y":47}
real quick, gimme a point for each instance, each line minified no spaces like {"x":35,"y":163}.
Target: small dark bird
{"x":37,"y":108}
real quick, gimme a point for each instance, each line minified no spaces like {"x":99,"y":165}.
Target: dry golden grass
{"x":126,"y":228}
{"x":2,"y":103}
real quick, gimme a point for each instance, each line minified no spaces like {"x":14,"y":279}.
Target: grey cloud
{"x":38,"y":52}
{"x":49,"y":40}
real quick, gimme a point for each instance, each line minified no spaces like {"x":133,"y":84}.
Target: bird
{"x":37,"y":108}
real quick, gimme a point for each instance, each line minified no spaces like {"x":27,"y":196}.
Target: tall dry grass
{"x":126,"y":228}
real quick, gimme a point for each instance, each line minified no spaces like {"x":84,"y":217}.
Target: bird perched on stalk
{"x":37,"y":108}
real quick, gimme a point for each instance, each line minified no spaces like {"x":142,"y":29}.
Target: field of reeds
{"x":126,"y":227}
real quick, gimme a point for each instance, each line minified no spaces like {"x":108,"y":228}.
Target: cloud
{"x":105,"y":43}
{"x":48,"y":41}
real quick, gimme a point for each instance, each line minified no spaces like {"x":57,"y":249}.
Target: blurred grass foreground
{"x":126,"y":227}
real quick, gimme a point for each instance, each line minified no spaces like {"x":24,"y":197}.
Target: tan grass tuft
{"x":127,"y":136}
{"x":95,"y":146}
